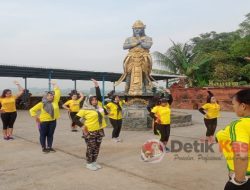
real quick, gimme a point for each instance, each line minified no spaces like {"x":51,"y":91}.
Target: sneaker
{"x":97,"y":165}
{"x":91,"y":167}
{"x":74,"y":130}
{"x":118,"y":139}
{"x":51,"y":150}
{"x":45,"y":150}
{"x":167,"y":149}
{"x":6,"y":138}
{"x":115,"y":140}
{"x":11,"y":138}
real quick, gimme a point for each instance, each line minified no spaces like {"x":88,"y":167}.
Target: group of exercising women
{"x":91,"y":118}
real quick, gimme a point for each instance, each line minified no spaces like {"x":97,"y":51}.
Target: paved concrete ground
{"x":23,"y":166}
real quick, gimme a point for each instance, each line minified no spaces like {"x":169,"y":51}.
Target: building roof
{"x":36,"y":72}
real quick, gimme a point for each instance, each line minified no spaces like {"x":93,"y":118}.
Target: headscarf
{"x":47,"y":105}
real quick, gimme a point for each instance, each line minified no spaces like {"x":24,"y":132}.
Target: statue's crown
{"x":138,"y":24}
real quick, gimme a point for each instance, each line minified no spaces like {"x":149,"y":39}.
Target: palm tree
{"x":179,"y":59}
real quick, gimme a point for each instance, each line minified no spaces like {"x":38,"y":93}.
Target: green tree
{"x":245,"y":26}
{"x":225,"y":72}
{"x":241,"y":47}
{"x":245,"y":71}
{"x":225,"y":49}
{"x":210,"y":42}
{"x":210,"y":56}
{"x":179,"y":59}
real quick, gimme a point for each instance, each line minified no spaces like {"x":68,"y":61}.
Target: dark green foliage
{"x":210,"y":56}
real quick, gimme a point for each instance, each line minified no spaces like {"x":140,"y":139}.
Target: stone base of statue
{"x":180,"y":119}
{"x":136,"y":116}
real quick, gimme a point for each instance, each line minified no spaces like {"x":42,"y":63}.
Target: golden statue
{"x":138,"y":63}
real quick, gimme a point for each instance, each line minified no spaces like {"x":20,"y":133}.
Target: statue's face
{"x":138,"y":31}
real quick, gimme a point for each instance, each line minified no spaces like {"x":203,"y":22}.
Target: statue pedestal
{"x":136,"y":116}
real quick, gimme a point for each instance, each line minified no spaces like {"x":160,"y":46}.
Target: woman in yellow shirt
{"x":115,"y":115}
{"x":156,"y":101}
{"x":8,"y":110}
{"x":73,"y":106}
{"x":161,"y":114}
{"x":93,"y":114}
{"x":234,"y":141}
{"x":49,"y":113}
{"x":211,"y":111}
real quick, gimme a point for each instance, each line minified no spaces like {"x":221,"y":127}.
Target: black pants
{"x":154,"y":127}
{"x":163,"y":131}
{"x":93,"y":141}
{"x":47,"y":130}
{"x":211,"y":125}
{"x":117,"y":125}
{"x":231,"y":186}
{"x":72,"y":116}
{"x":8,"y":119}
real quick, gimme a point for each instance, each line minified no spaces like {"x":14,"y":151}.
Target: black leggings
{"x":211,"y":125}
{"x":231,"y":186}
{"x":72,"y":116}
{"x":8,"y":119}
{"x":164,"y":131}
{"x":117,"y":125}
{"x":154,"y":126}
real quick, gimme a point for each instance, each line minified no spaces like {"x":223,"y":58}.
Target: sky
{"x":89,"y":35}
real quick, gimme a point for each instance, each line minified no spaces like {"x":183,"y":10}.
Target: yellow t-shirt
{"x":163,"y":113}
{"x":45,"y":116}
{"x":113,"y":110}
{"x":74,"y":105}
{"x":237,"y":131}
{"x":91,"y":119}
{"x":8,"y":104}
{"x":213,"y":110}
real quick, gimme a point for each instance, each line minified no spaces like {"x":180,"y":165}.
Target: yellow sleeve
{"x":67,"y":103}
{"x":81,"y":113}
{"x":155,"y":109}
{"x":108,"y":106}
{"x":239,"y":133}
{"x":57,"y":94}
{"x":100,"y":104}
{"x":33,"y":111}
{"x":223,"y":134}
{"x":205,"y":106}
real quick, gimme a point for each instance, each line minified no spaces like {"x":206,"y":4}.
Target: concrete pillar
{"x":75,"y":87}
{"x":50,"y":76}
{"x":103,"y":89}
